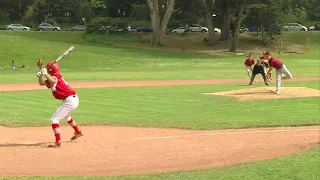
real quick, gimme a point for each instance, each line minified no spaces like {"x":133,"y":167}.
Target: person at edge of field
{"x":40,"y":65}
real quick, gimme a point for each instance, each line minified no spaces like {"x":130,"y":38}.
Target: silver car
{"x":78,"y":28}
{"x":18,"y":27}
{"x":48,"y":27}
{"x":294,"y":27}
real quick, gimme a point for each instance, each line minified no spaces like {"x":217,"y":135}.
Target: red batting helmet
{"x":52,"y":67}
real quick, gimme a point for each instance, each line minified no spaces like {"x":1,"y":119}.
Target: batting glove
{"x":39,"y":73}
{"x":44,"y":71}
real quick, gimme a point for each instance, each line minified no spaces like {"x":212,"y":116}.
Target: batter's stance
{"x":280,"y":68}
{"x":61,"y":91}
{"x":258,"y":68}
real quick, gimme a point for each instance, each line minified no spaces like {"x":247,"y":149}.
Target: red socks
{"x":74,"y":125}
{"x":56,"y":131}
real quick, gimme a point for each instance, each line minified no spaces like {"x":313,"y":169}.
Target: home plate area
{"x":263,"y":93}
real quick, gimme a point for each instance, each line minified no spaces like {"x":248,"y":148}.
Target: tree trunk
{"x":209,"y":12}
{"x":155,"y":19}
{"x":225,"y":31}
{"x":159,"y":29}
{"x":239,"y":18}
{"x":165,"y":19}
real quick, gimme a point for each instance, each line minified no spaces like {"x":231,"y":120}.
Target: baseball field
{"x":158,"y":114}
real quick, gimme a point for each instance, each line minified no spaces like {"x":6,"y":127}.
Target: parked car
{"x":197,"y":28}
{"x":144,"y":29}
{"x":78,"y":28}
{"x":317,"y":26}
{"x":3,"y":27}
{"x":48,"y":27}
{"x":18,"y":27}
{"x":242,"y":30}
{"x":217,"y":30}
{"x":180,"y":30}
{"x":311,"y":28}
{"x":294,"y":27}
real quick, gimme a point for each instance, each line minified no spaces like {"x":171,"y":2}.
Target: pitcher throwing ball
{"x":280,"y":68}
{"x":61,"y":91}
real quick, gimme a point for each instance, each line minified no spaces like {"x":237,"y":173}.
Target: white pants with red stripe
{"x":66,"y":109}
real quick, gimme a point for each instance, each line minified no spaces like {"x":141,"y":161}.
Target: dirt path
{"x":35,"y":86}
{"x":107,"y":151}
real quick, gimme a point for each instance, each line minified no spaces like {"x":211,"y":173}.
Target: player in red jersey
{"x":249,"y":62}
{"x":61,"y":91}
{"x":280,"y":69}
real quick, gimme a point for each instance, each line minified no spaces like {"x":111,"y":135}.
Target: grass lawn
{"x":106,"y":62}
{"x":167,"y":106}
{"x":304,"y":166}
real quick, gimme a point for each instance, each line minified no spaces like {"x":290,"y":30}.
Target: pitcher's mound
{"x":268,"y":93}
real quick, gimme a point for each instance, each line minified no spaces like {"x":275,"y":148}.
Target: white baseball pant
{"x":249,"y":71}
{"x":65,"y":110}
{"x":279,"y":77}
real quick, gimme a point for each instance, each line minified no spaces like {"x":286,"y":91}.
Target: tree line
{"x":229,"y":15}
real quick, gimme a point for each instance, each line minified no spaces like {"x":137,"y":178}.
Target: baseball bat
{"x":64,"y":54}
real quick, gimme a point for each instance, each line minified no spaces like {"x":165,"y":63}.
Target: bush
{"x":98,"y":25}
{"x":139,"y":23}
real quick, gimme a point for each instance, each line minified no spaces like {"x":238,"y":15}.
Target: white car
{"x":217,"y":30}
{"x":18,"y":27}
{"x":311,"y":28}
{"x":197,"y":28}
{"x":294,"y":27}
{"x":180,"y":30}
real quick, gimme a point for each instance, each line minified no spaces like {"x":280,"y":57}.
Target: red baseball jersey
{"x":60,"y":90}
{"x":249,"y":62}
{"x":263,"y":58}
{"x":276,"y":63}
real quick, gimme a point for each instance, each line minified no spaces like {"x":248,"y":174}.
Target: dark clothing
{"x":258,"y":68}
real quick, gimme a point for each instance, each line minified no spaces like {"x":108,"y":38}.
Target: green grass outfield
{"x":165,"y":106}
{"x":304,"y":166}
{"x":96,"y":62}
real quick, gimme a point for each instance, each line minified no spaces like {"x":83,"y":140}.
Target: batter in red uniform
{"x":61,"y":91}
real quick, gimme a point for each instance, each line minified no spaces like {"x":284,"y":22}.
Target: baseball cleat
{"x":266,"y":84}
{"x":277,"y":92}
{"x":55,"y":145}
{"x":77,"y":135}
